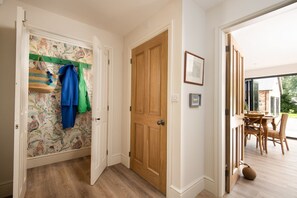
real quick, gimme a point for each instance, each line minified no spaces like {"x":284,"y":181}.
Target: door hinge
{"x":106,"y":152}
{"x":227,"y":112}
{"x":107,"y":107}
{"x":226,"y":170}
{"x":130,"y":60}
{"x":227,"y":48}
{"x":25,"y":16}
{"x":130,"y":108}
{"x":108,"y":62}
{"x":129,"y":154}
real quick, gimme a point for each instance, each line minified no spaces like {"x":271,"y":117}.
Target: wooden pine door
{"x":149,"y":110}
{"x":234,"y":112}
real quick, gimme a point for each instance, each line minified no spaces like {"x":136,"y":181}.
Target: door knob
{"x":97,"y":118}
{"x":161,"y":122}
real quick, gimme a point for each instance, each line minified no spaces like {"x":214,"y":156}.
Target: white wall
{"x":64,"y":26}
{"x":169,"y":15}
{"x":227,"y":13}
{"x":192,"y":119}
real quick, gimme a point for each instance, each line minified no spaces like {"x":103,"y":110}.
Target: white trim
{"x":140,"y":41}
{"x":110,"y":102}
{"x":170,"y":27}
{"x":190,"y":190}
{"x":219,"y":92}
{"x":114,"y":159}
{"x":125,"y":160}
{"x":6,"y":188}
{"x":57,"y":157}
{"x":59,"y":37}
{"x":209,"y":184}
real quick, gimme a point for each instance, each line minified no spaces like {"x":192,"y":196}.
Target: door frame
{"x":220,"y":85}
{"x":169,"y":28}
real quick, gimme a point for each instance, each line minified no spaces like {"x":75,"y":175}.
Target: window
{"x":272,"y":104}
{"x":277,"y":103}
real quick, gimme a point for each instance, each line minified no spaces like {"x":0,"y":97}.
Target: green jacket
{"x":83,"y":96}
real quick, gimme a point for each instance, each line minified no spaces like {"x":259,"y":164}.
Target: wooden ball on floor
{"x":249,"y":173}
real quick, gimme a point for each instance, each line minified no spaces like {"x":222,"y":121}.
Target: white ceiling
{"x":272,"y":42}
{"x":119,"y":16}
{"x":207,"y":4}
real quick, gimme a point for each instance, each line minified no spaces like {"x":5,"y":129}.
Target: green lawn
{"x":292,"y":115}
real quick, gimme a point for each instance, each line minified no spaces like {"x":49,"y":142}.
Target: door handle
{"x":97,"y":118}
{"x":161,"y":122}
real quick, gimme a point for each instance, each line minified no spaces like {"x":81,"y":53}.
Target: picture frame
{"x":194,"y":100}
{"x":194,"y":69}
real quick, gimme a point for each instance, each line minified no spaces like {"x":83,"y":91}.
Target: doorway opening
{"x":274,"y":96}
{"x":252,"y":95}
{"x":38,"y":129}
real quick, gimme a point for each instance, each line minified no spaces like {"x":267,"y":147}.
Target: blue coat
{"x":69,"y":94}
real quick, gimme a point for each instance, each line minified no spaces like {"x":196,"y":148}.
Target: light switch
{"x":174,"y":98}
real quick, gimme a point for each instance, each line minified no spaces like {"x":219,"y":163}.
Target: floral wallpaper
{"x":45,"y":132}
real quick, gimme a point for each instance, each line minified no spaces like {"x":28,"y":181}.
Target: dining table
{"x":266,"y":120}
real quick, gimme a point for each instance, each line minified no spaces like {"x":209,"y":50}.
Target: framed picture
{"x":194,"y":69}
{"x":194,"y":100}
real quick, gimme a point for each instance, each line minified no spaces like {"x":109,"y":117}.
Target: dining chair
{"x":279,"y":135}
{"x":253,"y":126}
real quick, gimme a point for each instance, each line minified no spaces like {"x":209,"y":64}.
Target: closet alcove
{"x":46,"y":137}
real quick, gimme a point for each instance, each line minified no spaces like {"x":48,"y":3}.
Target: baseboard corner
{"x":209,"y":185}
{"x":114,"y":159}
{"x":125,"y":160}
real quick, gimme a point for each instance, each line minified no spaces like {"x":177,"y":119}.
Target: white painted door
{"x":99,"y":113}
{"x":21,"y":107}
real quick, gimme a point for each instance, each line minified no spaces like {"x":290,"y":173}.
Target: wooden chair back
{"x":283,"y":124}
{"x":253,"y":121}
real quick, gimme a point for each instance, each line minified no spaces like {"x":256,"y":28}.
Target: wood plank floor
{"x":276,"y":177}
{"x":71,"y":179}
{"x":276,"y":173}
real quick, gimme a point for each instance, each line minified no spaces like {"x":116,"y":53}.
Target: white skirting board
{"x":191,"y":190}
{"x":125,"y":160}
{"x":57,"y":157}
{"x":6,"y":189}
{"x":209,"y":185}
{"x":114,"y":159}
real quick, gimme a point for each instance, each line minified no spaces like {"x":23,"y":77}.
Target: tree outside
{"x":289,"y":95}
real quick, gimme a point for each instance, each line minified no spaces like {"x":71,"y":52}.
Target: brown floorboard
{"x":71,"y":179}
{"x":276,"y":177}
{"x":276,"y":173}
